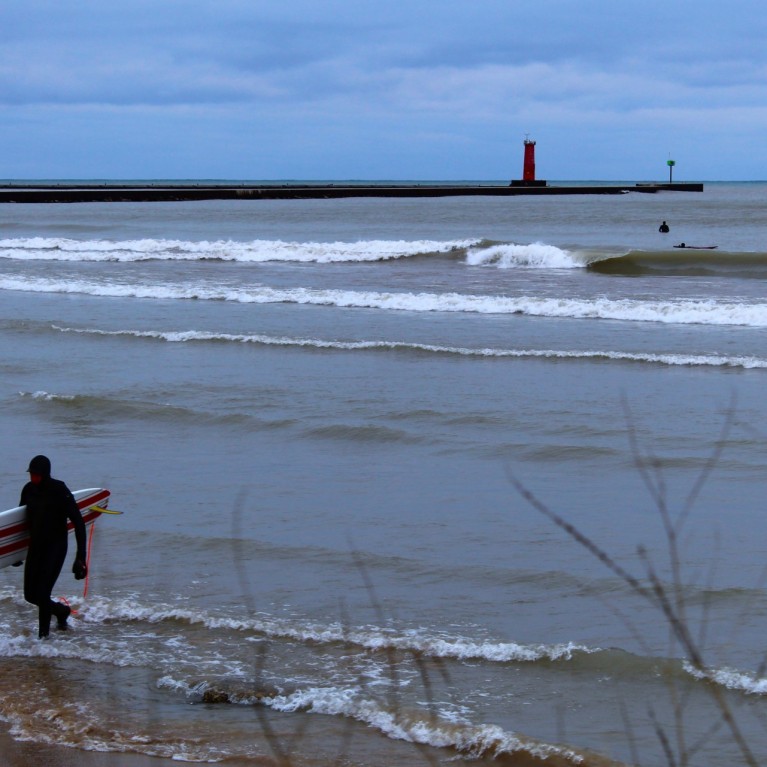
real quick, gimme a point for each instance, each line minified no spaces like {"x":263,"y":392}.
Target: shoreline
{"x":29,"y":754}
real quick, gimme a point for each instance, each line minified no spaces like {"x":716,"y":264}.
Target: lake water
{"x":338,"y":431}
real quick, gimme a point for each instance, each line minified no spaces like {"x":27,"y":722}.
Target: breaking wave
{"x":686,"y":312}
{"x":442,"y":729}
{"x":731,"y":679}
{"x":101,"y":610}
{"x":478,"y":252}
{"x":256,"y":251}
{"x":537,"y":255}
{"x":106,"y":610}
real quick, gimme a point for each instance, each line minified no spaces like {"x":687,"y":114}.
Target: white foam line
{"x":474,"y":740}
{"x":700,"y":312}
{"x":98,"y":610}
{"x":255,"y":251}
{"x":203,"y":336}
{"x":537,"y":255}
{"x":730,"y":678}
{"x":442,"y":731}
{"x":48,"y":397}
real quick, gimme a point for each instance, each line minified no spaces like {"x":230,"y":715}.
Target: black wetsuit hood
{"x":41,"y":465}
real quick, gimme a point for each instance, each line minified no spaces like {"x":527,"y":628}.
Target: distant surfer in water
{"x":50,"y":505}
{"x":663,"y":228}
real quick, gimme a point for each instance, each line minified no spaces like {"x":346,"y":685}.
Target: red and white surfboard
{"x":14,"y":537}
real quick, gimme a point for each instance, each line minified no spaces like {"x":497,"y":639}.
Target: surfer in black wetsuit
{"x":663,"y":228}
{"x":50,"y":505}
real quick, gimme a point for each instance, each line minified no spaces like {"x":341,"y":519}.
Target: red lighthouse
{"x":528,"y":170}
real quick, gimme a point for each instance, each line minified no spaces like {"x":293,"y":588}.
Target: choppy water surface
{"x":322,"y":418}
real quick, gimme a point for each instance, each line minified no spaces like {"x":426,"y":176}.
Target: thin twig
{"x":656,"y":595}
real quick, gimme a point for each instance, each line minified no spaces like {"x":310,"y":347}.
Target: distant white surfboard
{"x":14,"y":536}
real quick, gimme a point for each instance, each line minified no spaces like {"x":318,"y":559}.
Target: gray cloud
{"x":202,"y":52}
{"x":301,"y":72}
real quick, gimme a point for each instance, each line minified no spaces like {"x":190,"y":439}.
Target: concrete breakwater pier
{"x":165,"y":192}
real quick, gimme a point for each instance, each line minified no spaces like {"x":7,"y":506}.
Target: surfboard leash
{"x":88,"y":558}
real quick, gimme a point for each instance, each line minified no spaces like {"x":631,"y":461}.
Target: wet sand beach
{"x":17,"y":754}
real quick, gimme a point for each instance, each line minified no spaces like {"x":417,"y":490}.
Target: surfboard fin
{"x":102,"y":510}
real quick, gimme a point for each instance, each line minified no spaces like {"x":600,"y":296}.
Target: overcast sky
{"x":383,"y":89}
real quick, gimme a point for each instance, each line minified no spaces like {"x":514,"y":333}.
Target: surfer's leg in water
{"x":62,"y":612}
{"x":41,"y":570}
